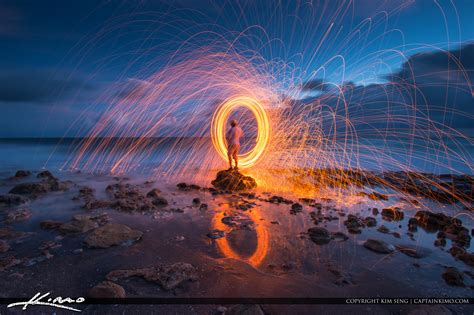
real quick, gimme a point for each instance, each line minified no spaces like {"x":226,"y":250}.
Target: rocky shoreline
{"x":99,"y":222}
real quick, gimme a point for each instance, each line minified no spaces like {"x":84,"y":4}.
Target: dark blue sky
{"x":57,"y":57}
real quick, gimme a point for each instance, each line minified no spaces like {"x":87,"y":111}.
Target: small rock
{"x":415,"y":252}
{"x":107,"y":289}
{"x":339,"y":237}
{"x":203,"y":207}
{"x":370,"y":221}
{"x":379,"y":246}
{"x":383,"y":229}
{"x":154,"y":193}
{"x":453,"y":277}
{"x":4,"y":246}
{"x":78,"y":226}
{"x":392,"y":214}
{"x":45,"y":174}
{"x":296,"y":208}
{"x":78,"y":251}
{"x":168,"y":277}
{"x":215,"y":234}
{"x":112,"y":234}
{"x":50,"y":224}
{"x":13,"y":199}
{"x":196,"y":201}
{"x":18,"y":215}
{"x":8,"y":262}
{"x":319,"y":235}
{"x":20,"y":174}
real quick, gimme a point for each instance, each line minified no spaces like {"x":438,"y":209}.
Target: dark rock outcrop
{"x":233,"y":180}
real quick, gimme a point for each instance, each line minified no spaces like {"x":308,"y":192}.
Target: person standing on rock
{"x":233,"y":136}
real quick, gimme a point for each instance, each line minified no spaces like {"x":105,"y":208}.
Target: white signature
{"x":56,"y":302}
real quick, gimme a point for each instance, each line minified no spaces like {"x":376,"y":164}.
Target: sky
{"x":63,"y":62}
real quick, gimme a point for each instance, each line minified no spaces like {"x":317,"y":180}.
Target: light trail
{"x":220,"y":121}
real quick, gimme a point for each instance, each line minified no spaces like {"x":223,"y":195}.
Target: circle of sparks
{"x":219,"y":121}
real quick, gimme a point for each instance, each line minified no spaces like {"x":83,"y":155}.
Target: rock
{"x":96,"y":204}
{"x":415,"y":252}
{"x":186,"y":187}
{"x":168,"y":277}
{"x":33,"y":189}
{"x":112,"y":234}
{"x":353,"y":224}
{"x":37,"y":189}
{"x":18,"y":215}
{"x":373,"y":195}
{"x":78,"y":225}
{"x":8,"y":262}
{"x":319,"y":235}
{"x":215,"y":234}
{"x":413,"y":225}
{"x":370,"y":221}
{"x":203,"y":207}
{"x":339,"y":237}
{"x":383,"y":229}
{"x":107,"y":289}
{"x":78,"y":251}
{"x":10,"y":234}
{"x":154,"y":193}
{"x":13,"y":199}
{"x":182,"y":186}
{"x":233,"y":180}
{"x":296,"y":208}
{"x":440,"y":242}
{"x":392,"y":214}
{"x":4,"y":246}
{"x":279,"y":199}
{"x":21,"y":174}
{"x":196,"y":201}
{"x":379,"y":246}
{"x":50,"y":224}
{"x":459,"y":253}
{"x":229,"y":220}
{"x":434,"y":221}
{"x":453,"y":277}
{"x":245,"y":309}
{"x":129,"y":198}
{"x":45,"y":174}
{"x":375,"y":211}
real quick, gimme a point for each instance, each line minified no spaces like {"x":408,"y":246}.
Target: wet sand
{"x":266,"y":250}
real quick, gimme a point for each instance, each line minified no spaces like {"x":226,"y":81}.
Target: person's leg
{"x":236,"y":156}
{"x":230,"y":153}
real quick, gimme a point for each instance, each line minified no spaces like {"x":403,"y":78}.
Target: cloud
{"x":438,"y":67}
{"x":430,"y":91}
{"x":316,"y":85}
{"x":40,"y":86}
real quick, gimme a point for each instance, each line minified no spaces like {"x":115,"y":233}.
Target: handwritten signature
{"x":57,"y":302}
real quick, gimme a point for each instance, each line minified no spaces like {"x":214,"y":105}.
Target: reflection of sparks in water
{"x":261,"y":237}
{"x":220,"y":121}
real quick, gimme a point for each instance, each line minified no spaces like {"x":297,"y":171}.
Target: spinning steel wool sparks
{"x":220,"y":121}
